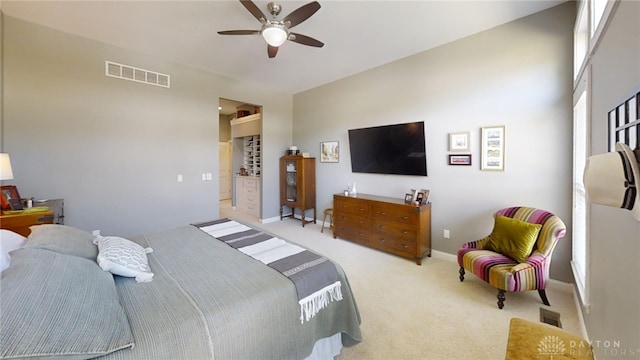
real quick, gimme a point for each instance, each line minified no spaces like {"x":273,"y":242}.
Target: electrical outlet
{"x":446,"y":234}
{"x":96,"y":232}
{"x":180,"y":178}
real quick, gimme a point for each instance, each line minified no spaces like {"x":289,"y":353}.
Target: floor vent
{"x":132,"y":73}
{"x":550,"y":317}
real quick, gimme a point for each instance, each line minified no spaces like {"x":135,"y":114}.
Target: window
{"x":580,"y":39}
{"x":580,"y":241}
{"x":597,"y":10}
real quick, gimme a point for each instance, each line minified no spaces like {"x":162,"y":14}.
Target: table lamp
{"x":6,"y":173}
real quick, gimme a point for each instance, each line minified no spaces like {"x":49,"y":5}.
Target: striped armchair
{"x":507,"y":274}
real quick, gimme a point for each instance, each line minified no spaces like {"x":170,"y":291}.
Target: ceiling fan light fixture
{"x":274,"y":34}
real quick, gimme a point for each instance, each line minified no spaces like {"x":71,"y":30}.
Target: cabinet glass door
{"x":291,"y":178}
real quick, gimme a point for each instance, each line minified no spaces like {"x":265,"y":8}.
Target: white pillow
{"x":9,"y":241}
{"x":123,"y":257}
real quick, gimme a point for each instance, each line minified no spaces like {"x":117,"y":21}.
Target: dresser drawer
{"x":359,"y":235}
{"x":401,"y":246}
{"x":351,"y":206}
{"x":400,"y":214}
{"x":352,"y":227}
{"x":353,"y":221}
{"x":251,"y":186}
{"x":396,"y":230}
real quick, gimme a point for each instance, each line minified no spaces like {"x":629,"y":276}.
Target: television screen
{"x":391,"y":149}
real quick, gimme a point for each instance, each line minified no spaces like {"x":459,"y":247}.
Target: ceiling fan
{"x":276,"y":32}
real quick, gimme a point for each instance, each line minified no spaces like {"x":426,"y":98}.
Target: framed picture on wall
{"x":460,"y":159}
{"x":459,"y":141}
{"x":330,"y":151}
{"x":492,"y":148}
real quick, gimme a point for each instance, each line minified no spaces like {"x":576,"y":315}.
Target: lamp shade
{"x":6,"y":173}
{"x":274,"y":34}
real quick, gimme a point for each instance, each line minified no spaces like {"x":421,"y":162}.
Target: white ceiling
{"x":358,"y":35}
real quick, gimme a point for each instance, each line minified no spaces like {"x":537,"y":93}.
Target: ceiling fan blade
{"x":301,"y":14}
{"x":239,"y":32}
{"x":305,"y":40}
{"x":272,"y":51}
{"x":254,"y":10}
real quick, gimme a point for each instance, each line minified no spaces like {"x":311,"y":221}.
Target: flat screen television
{"x":390,"y":149}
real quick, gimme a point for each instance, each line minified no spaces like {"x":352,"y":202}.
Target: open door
{"x":225,"y":170}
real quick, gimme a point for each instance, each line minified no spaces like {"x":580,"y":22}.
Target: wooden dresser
{"x":20,"y":223}
{"x":384,"y":223}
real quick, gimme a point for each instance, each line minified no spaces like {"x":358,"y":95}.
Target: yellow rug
{"x":537,"y":341}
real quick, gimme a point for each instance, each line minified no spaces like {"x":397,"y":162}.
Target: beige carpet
{"x":421,"y":312}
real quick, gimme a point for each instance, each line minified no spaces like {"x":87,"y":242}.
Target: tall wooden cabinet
{"x":298,"y":186}
{"x":384,"y":223}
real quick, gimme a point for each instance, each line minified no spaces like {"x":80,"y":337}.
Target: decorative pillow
{"x":63,"y":239}
{"x":57,"y":306}
{"x":513,"y":238}
{"x":9,"y":241}
{"x":123,"y":257}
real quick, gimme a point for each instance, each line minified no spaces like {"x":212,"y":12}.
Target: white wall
{"x":614,"y":235}
{"x":113,"y":148}
{"x":518,"y":75}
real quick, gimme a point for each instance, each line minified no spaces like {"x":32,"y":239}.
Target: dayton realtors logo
{"x":551,"y":345}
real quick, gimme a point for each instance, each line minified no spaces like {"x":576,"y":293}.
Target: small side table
{"x":55,"y":205}
{"x":20,"y":223}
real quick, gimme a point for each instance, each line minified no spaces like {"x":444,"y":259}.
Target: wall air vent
{"x":132,"y":73}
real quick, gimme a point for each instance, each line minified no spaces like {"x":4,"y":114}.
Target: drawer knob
{"x":405,"y":218}
{"x":405,"y":232}
{"x":383,"y":213}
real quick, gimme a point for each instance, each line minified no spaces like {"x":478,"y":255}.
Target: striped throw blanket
{"x":314,"y":276}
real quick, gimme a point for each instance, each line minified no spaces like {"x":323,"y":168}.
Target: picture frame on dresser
{"x":7,"y":193}
{"x":425,"y":197}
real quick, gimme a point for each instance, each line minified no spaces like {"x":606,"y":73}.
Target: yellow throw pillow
{"x":513,"y":238}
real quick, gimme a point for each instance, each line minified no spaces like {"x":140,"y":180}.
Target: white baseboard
{"x":443,"y":255}
{"x":583,"y":327}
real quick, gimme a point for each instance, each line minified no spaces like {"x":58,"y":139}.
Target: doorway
{"x":224,"y":149}
{"x":239,"y":127}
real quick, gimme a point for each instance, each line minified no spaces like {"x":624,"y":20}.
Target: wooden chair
{"x":327,"y":212}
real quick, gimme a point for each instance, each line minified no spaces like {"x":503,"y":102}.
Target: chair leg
{"x":500,"y":298}
{"x":543,"y":297}
{"x":461,"y":273}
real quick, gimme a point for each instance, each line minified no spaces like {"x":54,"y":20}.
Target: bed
{"x":204,"y":299}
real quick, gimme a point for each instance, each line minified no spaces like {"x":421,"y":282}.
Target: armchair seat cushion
{"x":502,"y":271}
